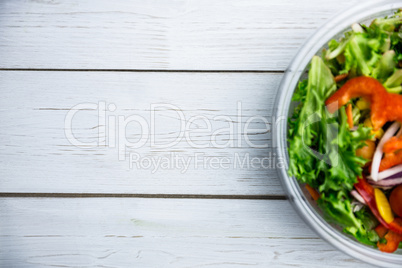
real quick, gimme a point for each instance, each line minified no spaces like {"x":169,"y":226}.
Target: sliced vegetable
{"x":396,"y":226}
{"x":341,"y":77}
{"x":381,"y":230}
{"x":387,"y":183}
{"x":383,"y":206}
{"x":367,"y":192}
{"x":313,"y":192}
{"x":375,"y":165}
{"x":391,"y":173}
{"x":391,"y":160}
{"x":393,"y":144}
{"x":357,"y":196}
{"x":392,"y":242}
{"x":349,"y":115}
{"x":391,"y":238}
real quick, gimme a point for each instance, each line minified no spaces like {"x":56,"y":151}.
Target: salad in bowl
{"x":345,"y":136}
{"x":338,"y":131}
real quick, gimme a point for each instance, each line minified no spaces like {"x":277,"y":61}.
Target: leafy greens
{"x":322,"y":149}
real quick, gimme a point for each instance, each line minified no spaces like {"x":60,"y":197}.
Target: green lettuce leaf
{"x":337,"y":208}
{"x":322,"y":148}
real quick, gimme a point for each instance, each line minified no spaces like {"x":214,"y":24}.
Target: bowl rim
{"x":332,"y":28}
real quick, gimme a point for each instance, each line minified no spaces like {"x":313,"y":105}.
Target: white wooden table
{"x":75,"y":201}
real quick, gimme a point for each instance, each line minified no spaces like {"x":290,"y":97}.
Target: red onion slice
{"x":387,"y":183}
{"x":375,"y":165}
{"x":357,"y":196}
{"x":389,"y":173}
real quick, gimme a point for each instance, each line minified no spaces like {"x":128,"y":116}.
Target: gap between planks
{"x":126,"y":195}
{"x":140,"y":70}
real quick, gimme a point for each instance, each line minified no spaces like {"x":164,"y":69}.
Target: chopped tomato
{"x":367,"y":151}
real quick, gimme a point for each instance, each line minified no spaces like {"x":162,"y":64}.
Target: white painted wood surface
{"x":120,"y":232}
{"x":161,"y":34}
{"x":144,"y":37}
{"x":37,"y":157}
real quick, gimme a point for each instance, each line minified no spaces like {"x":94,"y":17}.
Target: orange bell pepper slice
{"x":392,"y":244}
{"x":393,"y":153}
{"x":313,"y":192}
{"x":384,"y":106}
{"x":340,"y":77}
{"x":381,"y":230}
{"x":390,"y":160}
{"x":349,"y":114}
{"x":393,"y":144}
{"x":393,"y":239}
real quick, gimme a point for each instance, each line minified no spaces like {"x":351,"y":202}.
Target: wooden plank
{"x":36,"y":155}
{"x":112,"y":232}
{"x":168,"y":35}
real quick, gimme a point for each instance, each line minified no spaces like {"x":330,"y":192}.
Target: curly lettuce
{"x":322,"y":149}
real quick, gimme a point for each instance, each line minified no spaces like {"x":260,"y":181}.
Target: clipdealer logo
{"x":201,"y":161}
{"x":133,"y":135}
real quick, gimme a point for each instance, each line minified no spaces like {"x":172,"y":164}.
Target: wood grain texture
{"x":36,"y":156}
{"x":150,"y":233}
{"x":162,"y":34}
